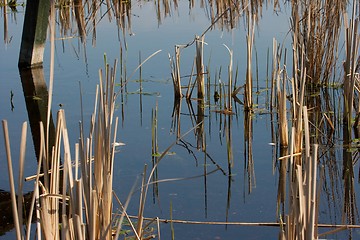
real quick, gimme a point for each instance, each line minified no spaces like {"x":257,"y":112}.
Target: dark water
{"x":243,"y":192}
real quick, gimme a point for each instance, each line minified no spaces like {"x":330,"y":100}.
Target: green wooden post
{"x":34,"y":33}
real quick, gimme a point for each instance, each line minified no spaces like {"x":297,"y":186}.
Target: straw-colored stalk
{"x":81,"y":205}
{"x":230,"y":80}
{"x":298,"y":90}
{"x":280,"y":78}
{"x":200,"y":66}
{"x":175,"y":72}
{"x":248,"y":102}
{"x":302,"y":219}
{"x":16,"y":203}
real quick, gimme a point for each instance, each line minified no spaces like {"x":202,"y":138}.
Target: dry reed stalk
{"x":299,"y":81}
{"x":248,"y":102}
{"x":104,"y":153}
{"x":230,"y":84}
{"x":21,"y":174}
{"x":318,"y":24}
{"x":66,"y":198}
{"x":11,"y":181}
{"x":143,"y":192}
{"x":200,"y":66}
{"x":280,"y":78}
{"x":175,"y":72}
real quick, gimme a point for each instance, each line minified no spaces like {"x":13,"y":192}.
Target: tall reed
{"x":248,"y":100}
{"x":280,"y":77}
{"x":200,"y":66}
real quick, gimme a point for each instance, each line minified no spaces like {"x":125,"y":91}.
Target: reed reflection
{"x":249,"y":170}
{"x":155,"y":153}
{"x":350,"y":212}
{"x":6,"y":37}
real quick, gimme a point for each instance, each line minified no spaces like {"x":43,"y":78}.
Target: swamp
{"x":174,"y":119}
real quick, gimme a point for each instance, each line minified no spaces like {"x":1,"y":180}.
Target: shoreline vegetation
{"x":73,"y":195}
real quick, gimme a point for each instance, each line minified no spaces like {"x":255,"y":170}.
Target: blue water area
{"x":206,"y":186}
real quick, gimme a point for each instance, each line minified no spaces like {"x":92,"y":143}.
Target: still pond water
{"x":243,"y":189}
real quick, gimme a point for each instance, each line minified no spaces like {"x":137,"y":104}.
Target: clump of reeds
{"x":318,"y":24}
{"x":175,"y":72}
{"x":80,"y":203}
{"x":352,"y":39}
{"x":301,"y":222}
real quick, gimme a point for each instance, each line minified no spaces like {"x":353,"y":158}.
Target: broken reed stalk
{"x":200,"y":66}
{"x":175,"y":72}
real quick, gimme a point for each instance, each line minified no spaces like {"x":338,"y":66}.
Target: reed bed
{"x":76,"y":195}
{"x":318,"y":25}
{"x":352,"y":39}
